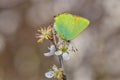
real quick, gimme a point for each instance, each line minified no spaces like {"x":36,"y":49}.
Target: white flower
{"x":52,"y":51}
{"x":66,"y":56}
{"x":55,"y":72}
{"x":58,"y":52}
{"x":49,"y":74}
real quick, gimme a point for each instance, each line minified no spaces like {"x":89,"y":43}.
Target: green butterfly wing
{"x":69,"y":26}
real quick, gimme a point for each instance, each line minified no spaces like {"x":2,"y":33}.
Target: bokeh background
{"x":21,"y":58}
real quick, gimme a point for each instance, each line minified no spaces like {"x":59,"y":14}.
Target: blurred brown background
{"x":21,"y":58}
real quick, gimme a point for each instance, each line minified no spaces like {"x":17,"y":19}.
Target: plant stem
{"x":61,"y":62}
{"x":62,"y":66}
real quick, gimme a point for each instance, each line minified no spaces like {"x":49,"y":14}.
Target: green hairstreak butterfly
{"x":69,"y":26}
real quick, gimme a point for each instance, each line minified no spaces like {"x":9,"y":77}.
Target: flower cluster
{"x":59,"y":48}
{"x":54,"y":72}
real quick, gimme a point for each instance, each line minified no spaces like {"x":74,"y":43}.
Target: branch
{"x":61,"y":62}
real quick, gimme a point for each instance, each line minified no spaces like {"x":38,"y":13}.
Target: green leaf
{"x":69,"y":26}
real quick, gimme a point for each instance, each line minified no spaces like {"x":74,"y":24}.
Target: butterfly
{"x":69,"y":26}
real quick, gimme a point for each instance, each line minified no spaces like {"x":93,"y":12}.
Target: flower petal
{"x":49,"y":74}
{"x":58,"y":53}
{"x":60,"y":75}
{"x":39,"y":30}
{"x":48,"y":54}
{"x":66,"y":56}
{"x":40,"y":40}
{"x":52,"y":51}
{"x":61,"y":69}
{"x":52,"y":47}
{"x":39,"y":36}
{"x":49,"y":28}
